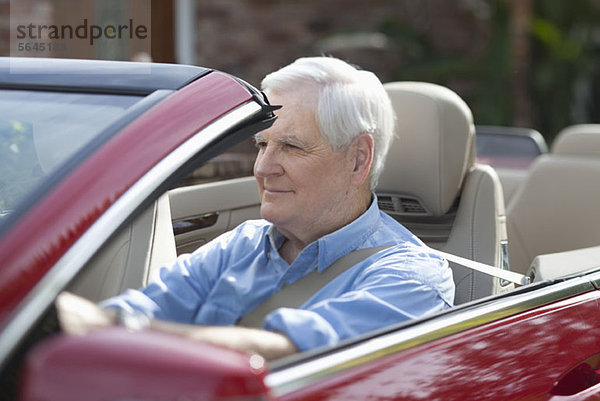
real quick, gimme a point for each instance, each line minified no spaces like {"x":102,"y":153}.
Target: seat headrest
{"x":434,"y":147}
{"x":578,"y":140}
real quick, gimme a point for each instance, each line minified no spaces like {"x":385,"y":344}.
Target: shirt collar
{"x":275,"y":239}
{"x":334,"y":245}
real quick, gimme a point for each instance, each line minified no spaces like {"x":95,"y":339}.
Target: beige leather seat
{"x":557,"y":208}
{"x":130,"y":258}
{"x":433,"y":187}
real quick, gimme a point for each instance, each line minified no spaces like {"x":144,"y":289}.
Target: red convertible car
{"x":100,"y":185}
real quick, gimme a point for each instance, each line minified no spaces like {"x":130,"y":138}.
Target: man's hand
{"x":268,"y":344}
{"x":77,"y":315}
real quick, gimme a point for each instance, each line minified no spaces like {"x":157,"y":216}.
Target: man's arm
{"x":268,"y":344}
{"x":79,"y":316}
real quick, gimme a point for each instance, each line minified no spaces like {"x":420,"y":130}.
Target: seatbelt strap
{"x":507,"y":275}
{"x":297,"y":293}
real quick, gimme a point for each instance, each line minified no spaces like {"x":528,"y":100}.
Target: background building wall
{"x":530,"y":63}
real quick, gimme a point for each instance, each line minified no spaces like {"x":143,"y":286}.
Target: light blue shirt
{"x":233,"y":274}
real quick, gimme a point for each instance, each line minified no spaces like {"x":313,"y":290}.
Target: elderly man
{"x":316,"y":169}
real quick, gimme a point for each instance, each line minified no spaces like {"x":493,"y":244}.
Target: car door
{"x":536,"y":344}
{"x":201,"y":212}
{"x":109,"y":190}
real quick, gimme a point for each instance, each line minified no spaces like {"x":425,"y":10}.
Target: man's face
{"x":303,"y":184}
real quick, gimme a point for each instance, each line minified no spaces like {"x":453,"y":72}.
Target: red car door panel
{"x":113,"y":364}
{"x":521,"y":357}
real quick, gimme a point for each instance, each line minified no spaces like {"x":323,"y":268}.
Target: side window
{"x":235,"y":163}
{"x":215,"y":198}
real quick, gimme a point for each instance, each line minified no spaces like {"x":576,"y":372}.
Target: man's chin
{"x":271,"y":214}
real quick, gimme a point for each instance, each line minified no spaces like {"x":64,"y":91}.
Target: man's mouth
{"x":277,"y":191}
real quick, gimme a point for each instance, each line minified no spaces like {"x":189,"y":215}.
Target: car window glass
{"x":40,"y":130}
{"x":237,"y":162}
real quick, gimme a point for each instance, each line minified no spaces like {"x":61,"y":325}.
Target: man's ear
{"x":363,"y":148}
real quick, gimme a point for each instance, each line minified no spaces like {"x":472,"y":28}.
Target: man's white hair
{"x":350,"y":102}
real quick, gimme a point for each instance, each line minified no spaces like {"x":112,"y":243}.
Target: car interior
{"x":560,"y":195}
{"x":456,"y":206}
{"x":510,"y":151}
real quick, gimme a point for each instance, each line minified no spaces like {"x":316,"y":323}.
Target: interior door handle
{"x":195,"y":223}
{"x":581,"y":383}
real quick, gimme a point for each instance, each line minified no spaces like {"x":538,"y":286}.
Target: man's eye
{"x":260,"y":144}
{"x":292,"y":147}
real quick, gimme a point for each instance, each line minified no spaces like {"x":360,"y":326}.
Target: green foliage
{"x":565,"y":63}
{"x":492,"y":98}
{"x":482,"y":81}
{"x":565,"y":68}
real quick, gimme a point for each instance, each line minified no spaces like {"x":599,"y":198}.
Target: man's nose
{"x":268,"y":162}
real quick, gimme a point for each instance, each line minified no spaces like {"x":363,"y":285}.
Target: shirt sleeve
{"x":389,"y":291}
{"x":180,"y":289}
